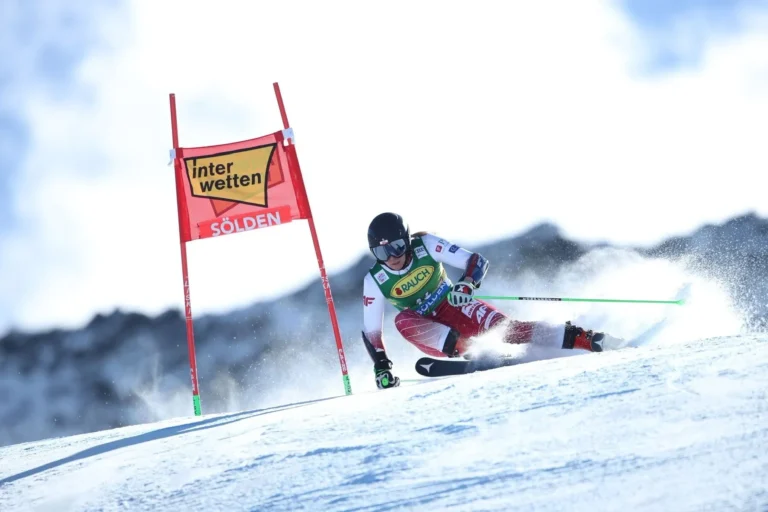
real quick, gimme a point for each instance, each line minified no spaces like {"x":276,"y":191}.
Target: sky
{"x":626,"y":121}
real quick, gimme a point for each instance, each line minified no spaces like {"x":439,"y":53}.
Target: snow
{"x":678,"y":421}
{"x":671,"y":426}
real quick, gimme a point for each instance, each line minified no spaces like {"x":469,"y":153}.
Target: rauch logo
{"x":413,"y":282}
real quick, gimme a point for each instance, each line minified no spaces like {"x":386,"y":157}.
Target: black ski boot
{"x":576,"y":337}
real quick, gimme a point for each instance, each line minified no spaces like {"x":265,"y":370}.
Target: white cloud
{"x":473,"y":121}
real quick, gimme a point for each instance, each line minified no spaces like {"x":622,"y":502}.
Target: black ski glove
{"x":384,"y":377}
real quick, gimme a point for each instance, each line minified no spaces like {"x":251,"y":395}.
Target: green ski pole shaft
{"x":574,"y":299}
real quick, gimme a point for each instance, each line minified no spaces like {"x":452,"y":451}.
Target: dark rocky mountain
{"x":125,"y":368}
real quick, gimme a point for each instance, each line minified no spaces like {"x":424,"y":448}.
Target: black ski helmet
{"x":388,"y":235}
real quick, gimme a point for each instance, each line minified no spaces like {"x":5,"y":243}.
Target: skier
{"x":440,"y":318}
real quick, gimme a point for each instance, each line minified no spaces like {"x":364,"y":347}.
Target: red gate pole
{"x":181,"y":203}
{"x":291,"y":151}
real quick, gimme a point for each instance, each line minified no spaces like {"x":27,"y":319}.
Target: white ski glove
{"x":461,"y":293}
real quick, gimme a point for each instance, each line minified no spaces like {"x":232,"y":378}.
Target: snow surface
{"x":673,"y":426}
{"x":125,"y":368}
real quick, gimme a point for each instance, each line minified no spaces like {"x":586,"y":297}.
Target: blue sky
{"x":85,"y":89}
{"x":48,"y":45}
{"x":661,"y":17}
{"x":654,"y":14}
{"x":42,"y":44}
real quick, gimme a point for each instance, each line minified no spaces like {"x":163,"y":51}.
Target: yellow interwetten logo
{"x":239,"y":176}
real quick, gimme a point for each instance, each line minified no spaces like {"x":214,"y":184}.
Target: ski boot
{"x":576,"y":337}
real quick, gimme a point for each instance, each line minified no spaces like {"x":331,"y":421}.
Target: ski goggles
{"x":394,"y":248}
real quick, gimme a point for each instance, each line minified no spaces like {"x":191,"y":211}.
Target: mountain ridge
{"x":126,"y":367}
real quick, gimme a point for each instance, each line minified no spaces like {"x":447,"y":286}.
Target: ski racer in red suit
{"x":440,"y":318}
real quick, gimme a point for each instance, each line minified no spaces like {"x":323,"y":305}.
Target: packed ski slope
{"x":669,"y":427}
{"x":678,"y":421}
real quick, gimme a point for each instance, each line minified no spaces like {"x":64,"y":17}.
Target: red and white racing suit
{"x":457,"y":324}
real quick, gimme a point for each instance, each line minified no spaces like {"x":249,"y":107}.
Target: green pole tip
{"x":347,"y":385}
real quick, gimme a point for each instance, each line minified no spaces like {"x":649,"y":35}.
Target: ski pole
{"x":572,"y":299}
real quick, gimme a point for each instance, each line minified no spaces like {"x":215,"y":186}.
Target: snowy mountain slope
{"x":126,"y":368}
{"x":667,"y":426}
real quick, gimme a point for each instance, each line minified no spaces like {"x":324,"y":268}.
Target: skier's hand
{"x":384,"y":377}
{"x":461,"y":293}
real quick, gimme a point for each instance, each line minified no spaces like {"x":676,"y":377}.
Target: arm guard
{"x":477,"y":267}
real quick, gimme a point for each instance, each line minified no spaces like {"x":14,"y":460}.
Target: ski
{"x":433,"y":367}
